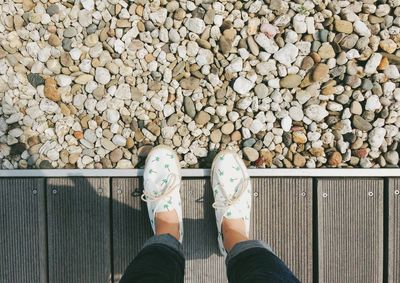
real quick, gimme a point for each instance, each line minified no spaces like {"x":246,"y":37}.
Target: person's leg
{"x":161,"y":259}
{"x":247,"y":261}
{"x":252,"y":262}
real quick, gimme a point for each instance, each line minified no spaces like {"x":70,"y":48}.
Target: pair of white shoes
{"x":229,"y":179}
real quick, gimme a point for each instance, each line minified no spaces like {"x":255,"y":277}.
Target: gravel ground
{"x":96,"y":84}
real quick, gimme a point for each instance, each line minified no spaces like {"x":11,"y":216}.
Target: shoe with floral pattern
{"x":232,"y":191}
{"x":162,"y":180}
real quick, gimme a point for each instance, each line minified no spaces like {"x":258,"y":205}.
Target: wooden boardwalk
{"x":79,"y":229}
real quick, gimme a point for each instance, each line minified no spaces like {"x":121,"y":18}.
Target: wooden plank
{"x":23,"y":228}
{"x":203,"y":261}
{"x":79,"y":230}
{"x":350,"y":230}
{"x":394,"y":231}
{"x":131,"y":227}
{"x":282,"y":217}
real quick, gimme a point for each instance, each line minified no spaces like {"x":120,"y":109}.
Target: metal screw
{"x":34,"y":191}
{"x":255,"y":194}
{"x":54,"y":191}
{"x":100,"y":190}
{"x":303,"y":194}
{"x":324,"y":195}
{"x":397,"y":192}
{"x":370,"y":194}
{"x":119,"y":191}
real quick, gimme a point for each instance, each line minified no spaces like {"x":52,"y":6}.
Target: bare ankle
{"x":167,"y":223}
{"x":233,"y":231}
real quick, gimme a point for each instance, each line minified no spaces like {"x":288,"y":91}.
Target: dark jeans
{"x":162,"y":260}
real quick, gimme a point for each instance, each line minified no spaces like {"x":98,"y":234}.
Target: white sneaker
{"x":162,"y":181}
{"x":232,"y":191}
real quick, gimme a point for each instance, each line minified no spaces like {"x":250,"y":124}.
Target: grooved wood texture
{"x":131,"y":227}
{"x":204,"y":263}
{"x":394,"y":231}
{"x":350,"y":230}
{"x":22,"y":230}
{"x":282,"y":217}
{"x":79,"y":230}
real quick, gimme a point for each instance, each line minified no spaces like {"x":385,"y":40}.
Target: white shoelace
{"x":228,"y":202}
{"x":166,"y":190}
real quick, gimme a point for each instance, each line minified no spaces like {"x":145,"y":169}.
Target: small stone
{"x":70,"y":32}
{"x":343,"y":26}
{"x":373,"y":63}
{"x":326,"y":51}
{"x":392,"y":157}
{"x":261,"y":90}
{"x":111,"y":115}
{"x":269,"y":30}
{"x":243,"y":85}
{"x":361,"y":28}
{"x":388,"y":45}
{"x":290,"y":81}
{"x":153,"y":128}
{"x":316,"y":113}
{"x":119,"y":140}
{"x":216,"y":136}
{"x":225,"y":45}
{"x":202,"y":118}
{"x":296,"y":113}
{"x":266,"y":43}
{"x":227,"y":128}
{"x":335,"y":159}
{"x":51,"y":90}
{"x":190,"y":83}
{"x":307,"y":63}
{"x":321,"y":73}
{"x":195,"y":25}
{"x":286,"y":123}
{"x":125,"y":164}
{"x":45,"y":164}
{"x":376,"y":137}
{"x":35,"y":79}
{"x":287,"y":55}
{"x":91,"y":40}
{"x":123,"y":92}
{"x":204,"y":57}
{"x":373,"y":103}
{"x":88,"y":4}
{"x":67,"y":44}
{"x":116,"y":155}
{"x":63,"y":80}
{"x":52,"y":10}
{"x":250,"y":153}
{"x":299,"y":137}
{"x":102,"y":75}
{"x":323,"y":35}
{"x":17,"y":148}
{"x":189,"y":107}
{"x":299,"y":160}
{"x":54,"y":40}
{"x":356,"y":108}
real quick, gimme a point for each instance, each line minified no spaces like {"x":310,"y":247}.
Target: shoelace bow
{"x":167,"y":190}
{"x":242,"y":187}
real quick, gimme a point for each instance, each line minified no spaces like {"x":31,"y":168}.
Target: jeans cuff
{"x":167,"y":240}
{"x":244,"y":246}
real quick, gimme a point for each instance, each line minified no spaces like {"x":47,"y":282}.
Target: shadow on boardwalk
{"x":97,"y":226}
